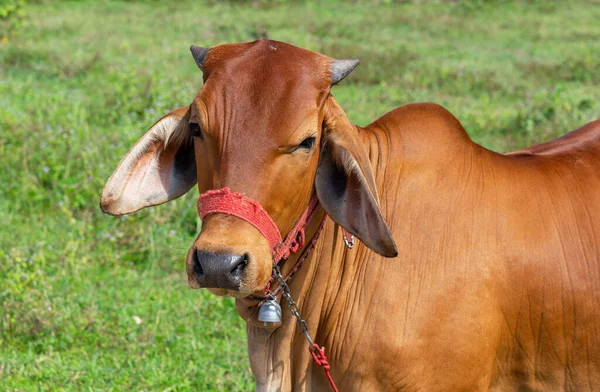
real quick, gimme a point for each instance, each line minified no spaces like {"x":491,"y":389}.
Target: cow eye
{"x":307,"y":143}
{"x":196,"y":131}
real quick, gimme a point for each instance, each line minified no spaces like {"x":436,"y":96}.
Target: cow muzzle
{"x":229,"y":257}
{"x":219,"y":271}
{"x":239,"y":244}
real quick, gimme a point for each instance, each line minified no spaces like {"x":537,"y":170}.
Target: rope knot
{"x":298,"y":241}
{"x":318,"y":354}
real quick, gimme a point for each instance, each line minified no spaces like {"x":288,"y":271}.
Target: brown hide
{"x":496,"y":285}
{"x":496,"y":282}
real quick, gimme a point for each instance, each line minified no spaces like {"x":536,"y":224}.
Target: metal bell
{"x":269,"y":312}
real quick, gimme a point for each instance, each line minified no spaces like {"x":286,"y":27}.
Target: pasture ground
{"x":93,"y":302}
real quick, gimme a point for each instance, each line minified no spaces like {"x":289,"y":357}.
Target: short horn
{"x":199,"y":53}
{"x":341,"y":68}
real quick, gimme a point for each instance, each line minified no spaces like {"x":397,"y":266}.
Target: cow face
{"x":263,"y":124}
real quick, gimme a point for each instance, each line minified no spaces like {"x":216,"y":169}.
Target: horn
{"x":341,"y":68}
{"x":199,"y":53}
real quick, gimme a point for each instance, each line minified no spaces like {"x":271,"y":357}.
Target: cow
{"x":472,"y":270}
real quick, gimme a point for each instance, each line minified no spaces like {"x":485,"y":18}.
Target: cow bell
{"x":270,"y":312}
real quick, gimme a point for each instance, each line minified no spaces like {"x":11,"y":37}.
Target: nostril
{"x":218,"y":270}
{"x":198,"y":270}
{"x":238,"y":269}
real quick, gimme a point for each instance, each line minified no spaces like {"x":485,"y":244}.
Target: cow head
{"x":263,"y":124}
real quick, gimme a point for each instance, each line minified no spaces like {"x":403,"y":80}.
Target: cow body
{"x":474,"y":271}
{"x":496,"y":286}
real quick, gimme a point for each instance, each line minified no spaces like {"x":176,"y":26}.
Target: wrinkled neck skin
{"x":340,"y":292}
{"x":495,"y":287}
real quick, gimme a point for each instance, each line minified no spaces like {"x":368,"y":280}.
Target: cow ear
{"x":160,"y":167}
{"x":345,"y":184}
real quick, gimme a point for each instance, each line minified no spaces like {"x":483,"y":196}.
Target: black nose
{"x":219,"y":271}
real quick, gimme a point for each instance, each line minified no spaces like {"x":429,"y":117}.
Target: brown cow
{"x":495,"y":284}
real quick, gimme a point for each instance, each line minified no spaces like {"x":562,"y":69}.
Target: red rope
{"x":232,"y":203}
{"x":318,"y":355}
{"x":295,"y":268}
{"x":296,"y":237}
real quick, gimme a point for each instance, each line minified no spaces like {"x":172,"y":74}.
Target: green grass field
{"x":92,"y":302}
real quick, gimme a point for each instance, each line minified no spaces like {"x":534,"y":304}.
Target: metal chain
{"x":285,"y":290}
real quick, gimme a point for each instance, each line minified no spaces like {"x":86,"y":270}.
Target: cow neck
{"x":291,"y":265}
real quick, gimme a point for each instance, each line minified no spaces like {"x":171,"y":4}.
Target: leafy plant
{"x":12,"y":16}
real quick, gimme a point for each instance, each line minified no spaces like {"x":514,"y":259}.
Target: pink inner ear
{"x":158,"y":168}
{"x":149,"y":177}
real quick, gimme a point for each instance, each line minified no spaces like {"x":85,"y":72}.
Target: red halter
{"x":233,"y":203}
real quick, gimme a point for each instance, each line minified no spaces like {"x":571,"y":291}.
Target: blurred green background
{"x":93,"y":302}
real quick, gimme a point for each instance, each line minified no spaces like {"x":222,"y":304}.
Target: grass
{"x":92,"y":302}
